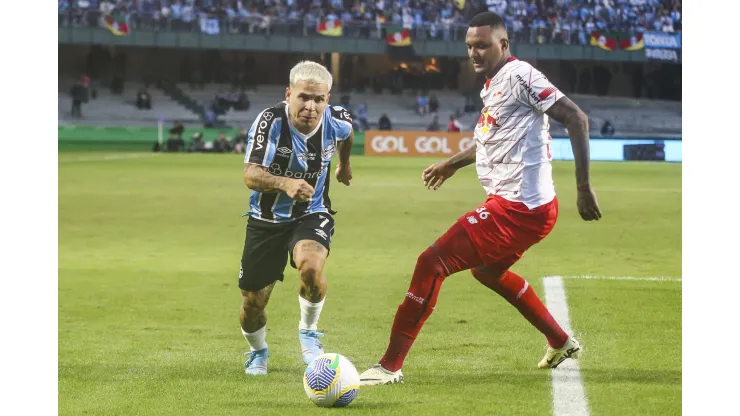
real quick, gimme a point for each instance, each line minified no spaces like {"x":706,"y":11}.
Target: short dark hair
{"x":487,"y":19}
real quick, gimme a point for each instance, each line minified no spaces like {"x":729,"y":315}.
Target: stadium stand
{"x":630,"y":117}
{"x":108,"y":108}
{"x":533,"y":21}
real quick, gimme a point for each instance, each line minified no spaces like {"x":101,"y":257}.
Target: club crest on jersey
{"x":328,"y":152}
{"x":487,"y":121}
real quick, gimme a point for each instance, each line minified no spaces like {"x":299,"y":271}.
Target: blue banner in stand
{"x":661,"y":46}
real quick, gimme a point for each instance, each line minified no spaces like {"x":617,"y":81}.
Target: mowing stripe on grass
{"x":647,"y":278}
{"x":473,"y":185}
{"x":568,"y":396}
{"x":105,"y":158}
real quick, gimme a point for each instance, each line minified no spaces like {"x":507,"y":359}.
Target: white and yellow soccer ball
{"x":330,"y":380}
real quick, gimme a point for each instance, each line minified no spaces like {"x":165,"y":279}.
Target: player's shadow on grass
{"x":356,"y":405}
{"x":362,"y":405}
{"x":630,"y":375}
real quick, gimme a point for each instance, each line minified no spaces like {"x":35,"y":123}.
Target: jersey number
{"x":323,"y":223}
{"x":482,"y":213}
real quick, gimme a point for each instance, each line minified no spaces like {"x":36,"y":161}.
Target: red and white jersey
{"x":513,"y":135}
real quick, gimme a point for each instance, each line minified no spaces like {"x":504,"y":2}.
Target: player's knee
{"x":488,"y":275}
{"x":253,"y":304}
{"x":428,"y":256}
{"x":430,"y":260}
{"x":310,"y":271}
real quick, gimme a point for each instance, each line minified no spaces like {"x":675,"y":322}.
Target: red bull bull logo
{"x":487,"y":121}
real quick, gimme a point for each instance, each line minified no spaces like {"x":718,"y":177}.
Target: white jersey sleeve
{"x":533,"y":90}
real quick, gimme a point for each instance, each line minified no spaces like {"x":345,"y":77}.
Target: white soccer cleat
{"x":555,"y":356}
{"x":377,"y":375}
{"x":256,"y":365}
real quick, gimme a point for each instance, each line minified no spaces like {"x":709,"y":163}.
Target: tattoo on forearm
{"x":258,"y":179}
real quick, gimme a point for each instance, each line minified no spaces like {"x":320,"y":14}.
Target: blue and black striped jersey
{"x":274,"y":143}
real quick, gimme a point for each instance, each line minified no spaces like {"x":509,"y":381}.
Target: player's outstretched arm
{"x":568,"y":113}
{"x":344,"y":171}
{"x":435,"y":175}
{"x":257,"y":178}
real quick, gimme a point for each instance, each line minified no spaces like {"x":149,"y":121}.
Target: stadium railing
{"x":219,"y":24}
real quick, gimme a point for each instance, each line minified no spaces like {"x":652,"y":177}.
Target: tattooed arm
{"x":259,"y":179}
{"x":568,"y":113}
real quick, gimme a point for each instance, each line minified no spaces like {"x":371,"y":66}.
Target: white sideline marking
{"x":568,"y":396}
{"x":648,"y":278}
{"x":108,"y":157}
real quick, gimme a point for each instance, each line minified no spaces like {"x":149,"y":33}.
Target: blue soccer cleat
{"x":257,"y":362}
{"x":310,"y":345}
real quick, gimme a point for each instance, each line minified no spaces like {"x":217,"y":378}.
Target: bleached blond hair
{"x":310,"y":72}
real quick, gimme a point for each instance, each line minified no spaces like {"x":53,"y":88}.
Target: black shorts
{"x":268,"y":245}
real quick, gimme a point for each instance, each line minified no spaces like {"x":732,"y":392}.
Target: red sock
{"x":432,"y":267}
{"x":517,"y":291}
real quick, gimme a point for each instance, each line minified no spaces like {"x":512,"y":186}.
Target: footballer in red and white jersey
{"x":512,"y":158}
{"x":512,"y":135}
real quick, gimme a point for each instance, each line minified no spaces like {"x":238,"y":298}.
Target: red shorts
{"x":501,"y":230}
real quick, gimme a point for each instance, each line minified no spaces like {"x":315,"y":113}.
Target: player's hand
{"x":588,"y":207}
{"x":435,"y":175}
{"x":344,"y":173}
{"x":299,"y":190}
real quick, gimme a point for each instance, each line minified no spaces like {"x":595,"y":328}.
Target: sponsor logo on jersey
{"x":284,"y":152}
{"x":306,"y":156}
{"x":528,"y":89}
{"x":277,"y":171}
{"x":259,"y":138}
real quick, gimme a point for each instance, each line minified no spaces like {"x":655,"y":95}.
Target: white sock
{"x":309,"y":313}
{"x":256,"y":339}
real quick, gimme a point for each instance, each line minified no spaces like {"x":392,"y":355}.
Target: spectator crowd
{"x":529,"y":21}
{"x":198,"y":144}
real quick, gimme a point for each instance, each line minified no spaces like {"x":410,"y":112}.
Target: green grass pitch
{"x":149,"y":251}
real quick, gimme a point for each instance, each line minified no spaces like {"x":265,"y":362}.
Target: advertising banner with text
{"x":662,"y":46}
{"x":444,"y":145}
{"x":416,"y":143}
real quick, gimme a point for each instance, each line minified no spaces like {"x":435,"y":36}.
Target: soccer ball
{"x":331,"y":381}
